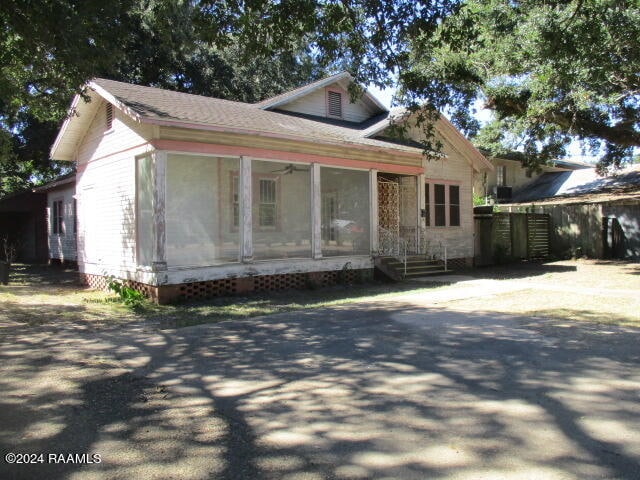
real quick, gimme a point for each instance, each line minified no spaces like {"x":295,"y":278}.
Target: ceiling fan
{"x":289,"y":169}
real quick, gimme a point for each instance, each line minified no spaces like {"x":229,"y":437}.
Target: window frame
{"x":430,"y":203}
{"x":501,"y":176}
{"x":275,"y":203}
{"x":57,"y":216}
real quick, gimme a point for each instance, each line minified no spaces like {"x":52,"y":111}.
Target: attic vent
{"x":109,"y":116}
{"x":334,"y":104}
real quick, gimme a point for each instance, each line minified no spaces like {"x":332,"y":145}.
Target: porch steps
{"x":417,"y":266}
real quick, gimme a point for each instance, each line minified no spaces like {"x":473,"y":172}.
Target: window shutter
{"x":109,"y":116}
{"x":334,"y":103}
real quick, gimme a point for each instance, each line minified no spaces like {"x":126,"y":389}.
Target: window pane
{"x":345,"y":212}
{"x":281,"y":210}
{"x":454,"y":205}
{"x":144,"y":216}
{"x":438,"y":193}
{"x":200,"y":211}
{"x":427,"y":209}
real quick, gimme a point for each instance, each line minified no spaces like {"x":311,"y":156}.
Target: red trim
{"x":260,"y":153}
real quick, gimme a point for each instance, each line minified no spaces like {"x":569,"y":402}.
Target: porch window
{"x":200,"y":210}
{"x":345,"y":212}
{"x":281,"y":210}
{"x":144,"y":210}
{"x":267,"y":212}
{"x":235,"y":189}
{"x":57,"y":217}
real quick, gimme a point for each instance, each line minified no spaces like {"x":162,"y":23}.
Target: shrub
{"x":130,"y":297}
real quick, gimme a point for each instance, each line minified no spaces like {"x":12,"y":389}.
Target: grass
{"x":40,"y":295}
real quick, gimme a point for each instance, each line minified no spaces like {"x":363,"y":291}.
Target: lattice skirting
{"x":457,"y":263}
{"x":232,"y":286}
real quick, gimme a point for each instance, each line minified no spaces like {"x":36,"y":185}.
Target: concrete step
{"x":416,"y":274}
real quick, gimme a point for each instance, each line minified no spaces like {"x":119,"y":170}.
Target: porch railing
{"x":393,"y":245}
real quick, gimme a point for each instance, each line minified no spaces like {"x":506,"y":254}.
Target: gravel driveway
{"x":396,"y":389}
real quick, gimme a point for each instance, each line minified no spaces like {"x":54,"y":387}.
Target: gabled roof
{"x":155,"y":106}
{"x":291,"y":95}
{"x":169,"y":108}
{"x":443,"y":126}
{"x":577,"y":183}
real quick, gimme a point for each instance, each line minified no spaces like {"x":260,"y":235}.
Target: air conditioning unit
{"x":503,"y":193}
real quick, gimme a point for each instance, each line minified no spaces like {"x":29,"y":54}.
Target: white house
{"x":186,"y":196}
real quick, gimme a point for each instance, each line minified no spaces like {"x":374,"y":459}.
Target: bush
{"x":130,"y":297}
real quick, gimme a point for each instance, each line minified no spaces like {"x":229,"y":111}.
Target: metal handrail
{"x":391,"y":243}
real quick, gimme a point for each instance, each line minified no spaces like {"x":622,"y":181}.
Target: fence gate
{"x":504,"y":236}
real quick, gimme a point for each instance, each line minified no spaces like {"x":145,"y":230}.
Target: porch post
{"x":421,"y":204}
{"x":159,"y":176}
{"x":316,"y":212}
{"x":245,"y":200}
{"x":373,"y":209}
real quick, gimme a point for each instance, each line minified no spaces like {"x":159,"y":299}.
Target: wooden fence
{"x":504,"y":237}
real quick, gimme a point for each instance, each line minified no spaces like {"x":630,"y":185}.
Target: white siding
{"x":62,"y":245}
{"x":106,"y":195}
{"x":315,"y":104}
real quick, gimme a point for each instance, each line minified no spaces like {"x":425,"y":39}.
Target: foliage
{"x":551,"y":71}
{"x":50,"y":49}
{"x":130,"y":297}
{"x":478,"y":200}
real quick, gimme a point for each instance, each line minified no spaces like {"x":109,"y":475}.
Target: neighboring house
{"x":509,"y":177}
{"x":185,"y":196}
{"x":23,"y":225}
{"x":590,"y":215}
{"x":61,"y":219}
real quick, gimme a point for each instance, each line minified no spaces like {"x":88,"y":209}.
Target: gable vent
{"x":109,"y":116}
{"x":334,"y":104}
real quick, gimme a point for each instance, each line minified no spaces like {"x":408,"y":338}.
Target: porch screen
{"x":144,"y":211}
{"x":345,"y":212}
{"x":281,"y":210}
{"x":200,"y":225}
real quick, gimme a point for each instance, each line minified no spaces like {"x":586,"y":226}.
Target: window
{"x":501,"y":173}
{"x":109,"y":116}
{"x":442,"y":205}
{"x":57,"y":218}
{"x":267,"y":212}
{"x":427,"y":206}
{"x":334,"y":103}
{"x":454,"y":206}
{"x":439,"y":204}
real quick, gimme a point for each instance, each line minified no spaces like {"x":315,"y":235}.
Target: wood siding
{"x":315,"y":103}
{"x":105,"y":186}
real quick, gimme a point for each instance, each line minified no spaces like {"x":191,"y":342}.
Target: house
{"x":509,"y":176}
{"x":23,"y":226}
{"x":185,"y":196}
{"x":40,"y":222}
{"x":61,"y":219}
{"x":590,"y":215}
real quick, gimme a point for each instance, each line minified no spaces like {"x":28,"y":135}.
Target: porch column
{"x":373,"y":209}
{"x":316,"y":212}
{"x":245,"y":200}
{"x":159,"y":176}
{"x":421,"y":205}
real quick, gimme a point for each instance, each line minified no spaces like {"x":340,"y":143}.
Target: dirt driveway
{"x":422,"y":385}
